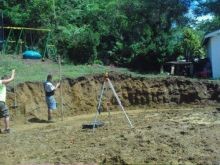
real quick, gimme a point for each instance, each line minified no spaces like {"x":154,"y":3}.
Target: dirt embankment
{"x":160,"y":136}
{"x":80,"y":95}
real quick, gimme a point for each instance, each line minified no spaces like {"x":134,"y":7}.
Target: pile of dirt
{"x":79,"y":96}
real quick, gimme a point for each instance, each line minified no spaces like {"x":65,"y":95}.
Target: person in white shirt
{"x":4,"y":112}
{"x":49,"y":89}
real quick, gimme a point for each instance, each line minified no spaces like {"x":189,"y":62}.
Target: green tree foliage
{"x":145,"y":31}
{"x":28,"y":13}
{"x":208,"y":6}
{"x":209,"y":25}
{"x":79,"y":43}
{"x":12,"y":12}
{"x":123,"y":33}
{"x":211,"y":7}
{"x":162,"y":17}
{"x":190,"y":45}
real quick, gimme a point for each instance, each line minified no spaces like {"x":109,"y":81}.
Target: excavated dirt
{"x":80,"y":95}
{"x":176,"y":121}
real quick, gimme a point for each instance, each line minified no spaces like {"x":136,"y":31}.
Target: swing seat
{"x":31,"y":54}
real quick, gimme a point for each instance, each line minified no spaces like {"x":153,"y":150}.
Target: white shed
{"x":212,"y":42}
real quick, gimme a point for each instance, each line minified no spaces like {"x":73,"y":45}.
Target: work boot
{"x":50,"y":120}
{"x":5,"y":131}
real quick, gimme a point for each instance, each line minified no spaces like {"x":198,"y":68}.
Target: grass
{"x":36,"y":70}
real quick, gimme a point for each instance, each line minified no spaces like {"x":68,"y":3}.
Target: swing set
{"x":21,"y":39}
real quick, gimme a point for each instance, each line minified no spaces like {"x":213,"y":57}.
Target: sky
{"x":200,"y":18}
{"x":205,"y":17}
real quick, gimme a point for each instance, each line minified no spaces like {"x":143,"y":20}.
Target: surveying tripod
{"x":105,"y":83}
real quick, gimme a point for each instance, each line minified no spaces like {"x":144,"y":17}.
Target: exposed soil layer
{"x":176,"y":121}
{"x":80,"y":95}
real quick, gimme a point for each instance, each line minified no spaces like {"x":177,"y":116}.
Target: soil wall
{"x":80,"y":95}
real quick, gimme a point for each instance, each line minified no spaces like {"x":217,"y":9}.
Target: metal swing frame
{"x":21,"y":33}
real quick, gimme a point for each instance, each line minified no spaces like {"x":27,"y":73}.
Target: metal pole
{"x":61,"y":90}
{"x":46,"y":47}
{"x":99,"y":104}
{"x":3,"y":37}
{"x":109,"y":114}
{"x":2,"y":30}
{"x":6,"y":42}
{"x":15,"y":97}
{"x":16,"y":49}
{"x":119,"y":102}
{"x":59,"y":58}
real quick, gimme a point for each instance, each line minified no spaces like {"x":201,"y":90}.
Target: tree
{"x":208,"y":6}
{"x":29,"y":13}
{"x":80,"y":43}
{"x":162,"y":17}
{"x":119,"y":32}
{"x":191,"y":45}
{"x":211,"y":7}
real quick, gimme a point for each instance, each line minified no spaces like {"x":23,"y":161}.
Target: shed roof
{"x":209,"y":35}
{"x":179,"y":62}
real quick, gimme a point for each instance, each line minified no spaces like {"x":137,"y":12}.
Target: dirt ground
{"x":159,"y":136}
{"x":176,"y":121}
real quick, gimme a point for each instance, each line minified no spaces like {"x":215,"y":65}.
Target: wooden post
{"x":191,"y":69}
{"x":172,"y":69}
{"x":61,"y":90}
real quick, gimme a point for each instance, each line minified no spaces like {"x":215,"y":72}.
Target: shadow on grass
{"x":37,"y":120}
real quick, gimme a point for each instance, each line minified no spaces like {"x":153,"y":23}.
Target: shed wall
{"x":214,"y":54}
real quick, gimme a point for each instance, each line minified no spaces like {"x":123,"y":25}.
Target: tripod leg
{"x":109,"y":114}
{"x":119,"y":102}
{"x":99,"y":104}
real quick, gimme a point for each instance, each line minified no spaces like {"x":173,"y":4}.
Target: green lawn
{"x":36,"y":70}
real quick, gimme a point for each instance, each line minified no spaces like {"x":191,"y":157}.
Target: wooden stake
{"x":15,"y":98}
{"x":61,"y":91}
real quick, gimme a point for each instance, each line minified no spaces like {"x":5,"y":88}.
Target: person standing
{"x":4,"y":112}
{"x":50,"y":89}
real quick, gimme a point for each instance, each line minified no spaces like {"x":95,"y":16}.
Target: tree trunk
{"x":161,"y":69}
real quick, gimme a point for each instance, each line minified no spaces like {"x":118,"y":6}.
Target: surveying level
{"x":106,"y":76}
{"x":108,"y":84}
